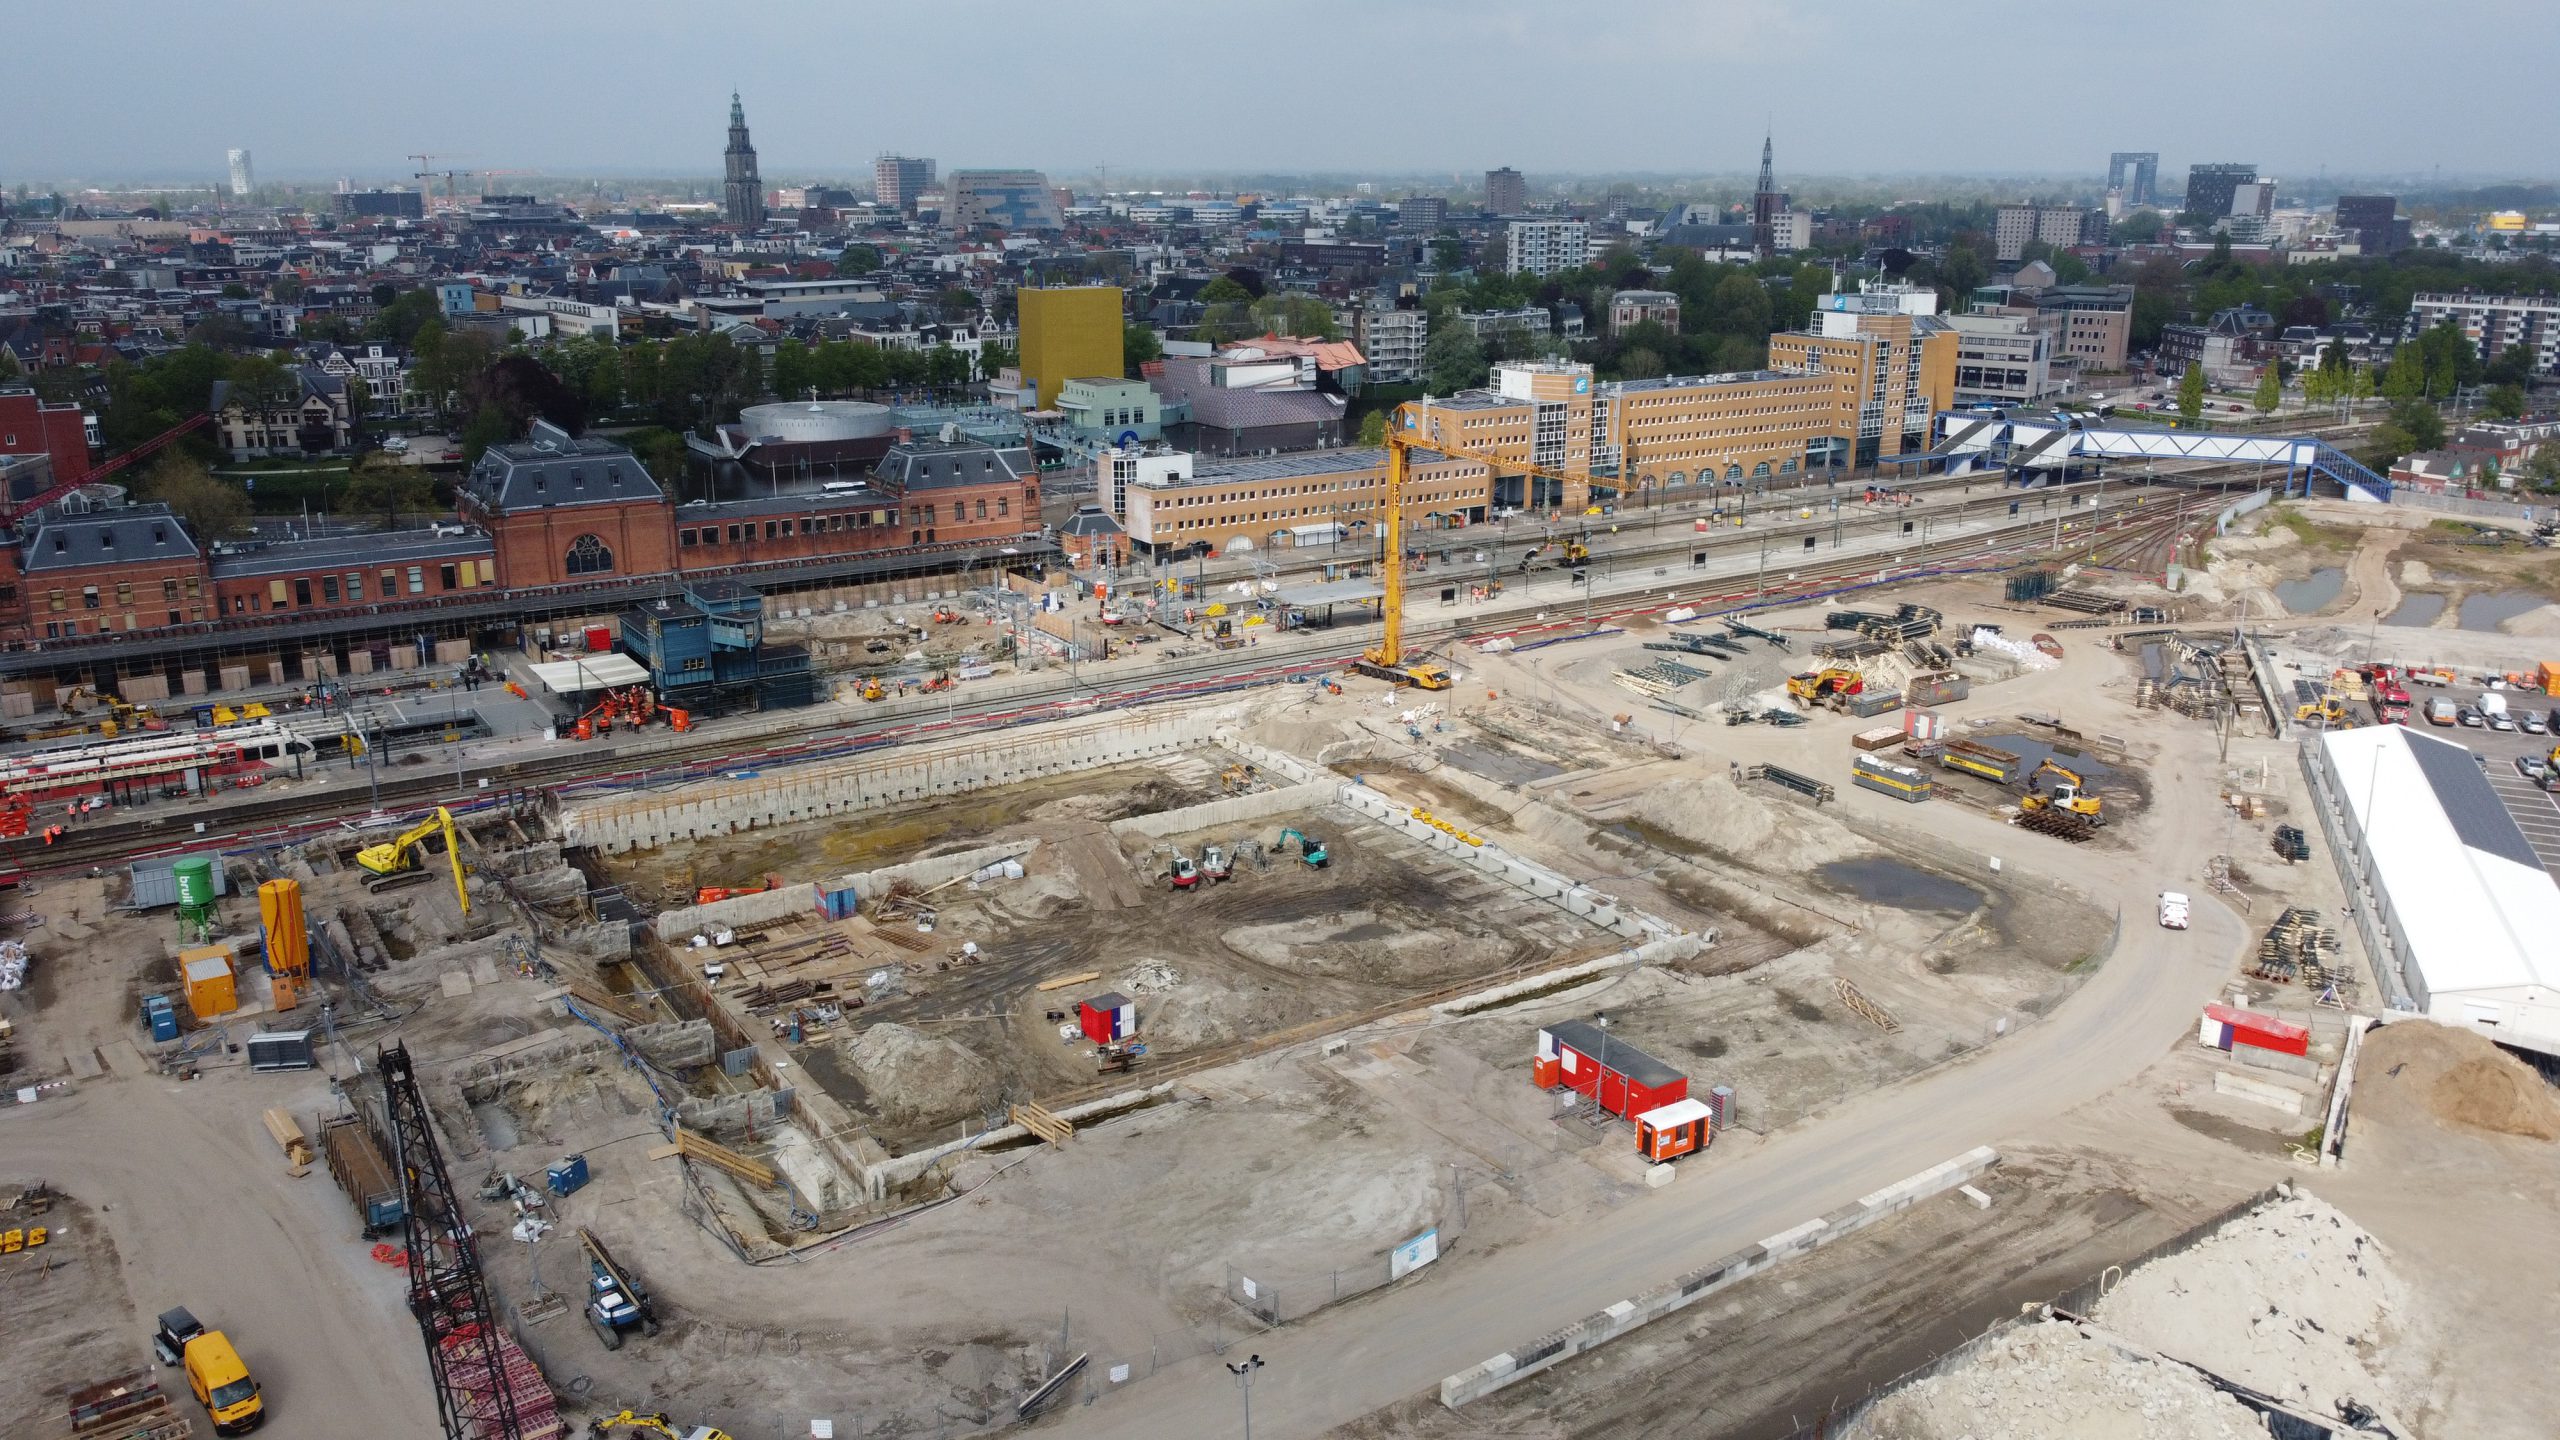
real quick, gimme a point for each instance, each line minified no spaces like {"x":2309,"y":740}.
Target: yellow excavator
{"x":2068,"y":792}
{"x":653,"y":1424}
{"x":395,"y":861}
{"x":1828,"y":686}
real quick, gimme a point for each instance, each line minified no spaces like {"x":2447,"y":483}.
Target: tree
{"x":2270,"y":392}
{"x":1225,"y":291}
{"x":994,"y":357}
{"x":2488,"y":475}
{"x":958,"y":303}
{"x":858,"y":260}
{"x":1138,"y":345}
{"x":794,"y":370}
{"x":2544,"y":468}
{"x":2423,"y":422}
{"x":2514,"y":366}
{"x":1302,"y":316}
{"x":213,"y":509}
{"x":661,"y":452}
{"x":2505,"y":402}
{"x":2142,"y":227}
{"x":1452,"y":360}
{"x":399,"y":319}
{"x":1373,"y":428}
{"x":2191,"y":393}
{"x":2406,"y":376}
{"x":1641,"y":363}
{"x":389,"y":488}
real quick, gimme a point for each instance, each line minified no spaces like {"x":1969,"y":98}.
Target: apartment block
{"x":2017,"y":226}
{"x":1506,"y":192}
{"x":1543,"y":247}
{"x":1630,"y":308}
{"x":2007,"y":359}
{"x":1392,"y":340}
{"x":896,"y":181}
{"x":2494,"y":323}
{"x":1422,"y":212}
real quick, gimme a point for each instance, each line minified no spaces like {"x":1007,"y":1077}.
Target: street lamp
{"x":1244,"y":1383}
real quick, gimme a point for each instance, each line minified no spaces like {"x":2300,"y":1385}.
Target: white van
{"x":2173,"y":910}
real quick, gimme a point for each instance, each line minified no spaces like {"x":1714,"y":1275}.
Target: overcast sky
{"x":158,"y":88}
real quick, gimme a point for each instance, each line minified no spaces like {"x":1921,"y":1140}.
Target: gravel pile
{"x":910,"y":1075}
{"x":2050,"y":1381}
{"x":2294,"y":1300}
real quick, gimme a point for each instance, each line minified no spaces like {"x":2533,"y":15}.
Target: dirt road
{"x":1347,"y":1362}
{"x":196,"y":1198}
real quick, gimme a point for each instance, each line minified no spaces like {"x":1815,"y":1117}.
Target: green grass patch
{"x":2314,"y":534}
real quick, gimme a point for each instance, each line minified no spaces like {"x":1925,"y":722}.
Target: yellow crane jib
{"x":407,"y":852}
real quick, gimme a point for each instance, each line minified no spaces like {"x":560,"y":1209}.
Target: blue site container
{"x":161,"y":1016}
{"x":566,"y":1174}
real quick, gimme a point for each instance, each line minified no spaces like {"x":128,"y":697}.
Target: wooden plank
{"x":665,"y":1152}
{"x":1064,"y":981}
{"x":709,"y":1152}
{"x":289,"y":1138}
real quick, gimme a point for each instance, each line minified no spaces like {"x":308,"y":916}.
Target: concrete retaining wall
{"x":766,"y":906}
{"x":1660,"y":952}
{"x":1526,"y":875}
{"x":676,"y":1044}
{"x":1234,"y":810}
{"x":1557,"y":1346}
{"x":843,"y":787}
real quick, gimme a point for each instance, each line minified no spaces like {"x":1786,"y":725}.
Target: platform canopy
{"x":590,"y":672}
{"x":1334,"y":592}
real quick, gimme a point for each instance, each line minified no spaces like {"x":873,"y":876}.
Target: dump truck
{"x":356,"y":1163}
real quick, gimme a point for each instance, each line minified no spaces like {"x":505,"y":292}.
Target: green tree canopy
{"x":1452,"y":360}
{"x":1373,"y":428}
{"x":214,"y":509}
{"x":2191,"y":393}
{"x":1302,"y":316}
{"x":858,"y":260}
{"x":2142,"y":227}
{"x":1138,"y":345}
{"x":1225,"y":291}
{"x":2504,"y":402}
{"x":2270,"y":391}
{"x":387,"y":488}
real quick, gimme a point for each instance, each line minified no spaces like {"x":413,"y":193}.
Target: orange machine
{"x":713,"y":894}
{"x":1673,"y":1130}
{"x":632,"y":708}
{"x":288,"y":939}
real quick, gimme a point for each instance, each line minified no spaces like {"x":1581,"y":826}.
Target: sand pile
{"x":914,"y":1076}
{"x":2419,"y":1072}
{"x":2293,"y":1299}
{"x":1740,"y":825}
{"x":2048,"y":1381}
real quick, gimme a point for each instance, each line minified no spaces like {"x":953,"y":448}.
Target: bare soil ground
{"x":63,"y":1307}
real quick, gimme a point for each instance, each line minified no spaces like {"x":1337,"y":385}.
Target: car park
{"x":2532,"y":767}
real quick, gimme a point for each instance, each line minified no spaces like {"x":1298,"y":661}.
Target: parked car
{"x":2173,"y":910}
{"x":2499,"y":720}
{"x":2532,"y":767}
{"x":2469,"y":717}
{"x":2531,"y":724}
{"x":397,"y":444}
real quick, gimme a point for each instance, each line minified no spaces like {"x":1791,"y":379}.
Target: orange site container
{"x":1548,"y":1071}
{"x":211,"y":992}
{"x":2551,"y":677}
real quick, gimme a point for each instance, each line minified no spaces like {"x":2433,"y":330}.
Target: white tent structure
{"x":2460,"y":905}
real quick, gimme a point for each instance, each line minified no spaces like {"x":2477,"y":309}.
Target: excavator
{"x":714,"y":894}
{"x":1310,"y":849}
{"x":2328,"y":711}
{"x":604,"y":1425}
{"x":1829,"y":686}
{"x":403,"y":859}
{"x":2069,"y":792}
{"x":873,"y":690}
{"x":633,"y":708}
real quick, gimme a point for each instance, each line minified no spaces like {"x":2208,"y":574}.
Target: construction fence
{"x":1269,"y":1300}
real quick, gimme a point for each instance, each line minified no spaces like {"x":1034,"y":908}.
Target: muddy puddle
{"x":2489,"y":610}
{"x":2314,"y":592}
{"x":1896,"y":884}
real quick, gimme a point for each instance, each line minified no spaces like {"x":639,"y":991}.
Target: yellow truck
{"x":215,"y":1372}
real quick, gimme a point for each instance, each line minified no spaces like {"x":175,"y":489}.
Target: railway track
{"x":296,"y":817}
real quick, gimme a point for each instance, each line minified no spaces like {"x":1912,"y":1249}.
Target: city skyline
{"x":1032,"y":105}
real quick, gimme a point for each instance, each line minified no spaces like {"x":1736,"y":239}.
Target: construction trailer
{"x":1682,"y":1127}
{"x":1623,"y":1080}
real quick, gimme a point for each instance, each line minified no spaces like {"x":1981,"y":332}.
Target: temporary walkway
{"x":2030,"y":443}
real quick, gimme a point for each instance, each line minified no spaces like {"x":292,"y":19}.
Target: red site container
{"x":2266,"y":1032}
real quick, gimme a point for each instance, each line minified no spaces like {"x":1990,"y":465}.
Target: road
{"x":1346,"y":1362}
{"x":195,"y":1195}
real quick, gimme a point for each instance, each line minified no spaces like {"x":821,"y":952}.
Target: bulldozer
{"x":1827,"y":687}
{"x":2329,"y":712}
{"x":2069,"y":792}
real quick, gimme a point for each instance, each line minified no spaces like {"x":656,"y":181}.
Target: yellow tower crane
{"x":1408,"y":430}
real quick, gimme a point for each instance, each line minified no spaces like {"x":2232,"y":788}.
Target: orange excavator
{"x":633,"y":708}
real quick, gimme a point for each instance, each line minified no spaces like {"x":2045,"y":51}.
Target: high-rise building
{"x":2374,"y":222}
{"x":1005,"y":199}
{"x":1068,"y":333}
{"x":2210,"y":188}
{"x":1422,"y":212}
{"x":2494,"y":324}
{"x":2060,"y":226}
{"x":378,"y":205}
{"x":1543,"y":247}
{"x":1766,"y":201}
{"x":741,"y":188}
{"x":896,"y":181}
{"x":241,"y":183}
{"x":1506,"y":192}
{"x":2144,"y":166}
